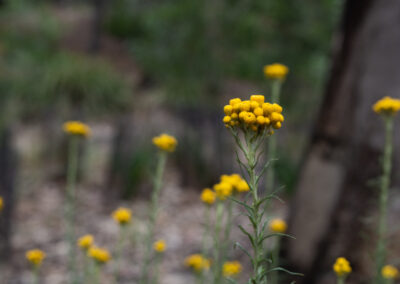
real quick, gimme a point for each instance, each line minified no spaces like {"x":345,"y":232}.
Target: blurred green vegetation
{"x":189,"y":46}
{"x":37,"y":73}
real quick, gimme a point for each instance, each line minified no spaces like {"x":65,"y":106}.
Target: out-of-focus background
{"x":132,"y":69}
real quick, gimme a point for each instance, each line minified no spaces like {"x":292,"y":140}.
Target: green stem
{"x":153,"y":214}
{"x":204,"y":240}
{"x":72,"y":172}
{"x":96,"y":268}
{"x":275,"y":259}
{"x":383,"y":199}
{"x":36,"y":274}
{"x":217,"y":243}
{"x":157,"y":268}
{"x":118,"y":251}
{"x":227,"y":232}
{"x":341,"y":280}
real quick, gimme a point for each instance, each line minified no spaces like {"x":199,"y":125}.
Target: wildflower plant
{"x":85,"y":243}
{"x":75,"y":130}
{"x":254,"y":120}
{"x":122,"y":216}
{"x":277,"y":226}
{"x":100,"y":257}
{"x":35,"y":257}
{"x":389,"y":274}
{"x":276,"y":73}
{"x":159,"y":248}
{"x":342,"y":269}
{"x":166,"y":144}
{"x":387,"y":108}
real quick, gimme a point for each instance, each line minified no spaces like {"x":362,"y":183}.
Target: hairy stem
{"x":153,"y":214}
{"x":383,"y":199}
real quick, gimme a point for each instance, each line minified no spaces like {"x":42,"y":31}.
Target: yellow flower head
{"x":342,"y":267}
{"x":85,"y":242}
{"x":35,"y":256}
{"x":223,"y":190}
{"x":160,"y":246}
{"x":390,"y":272}
{"x":197,"y":262}
{"x":1,"y":203}
{"x":236,"y":181}
{"x":100,"y":255}
{"x":231,"y":268}
{"x":122,"y":215}
{"x":165,"y":142}
{"x":208,"y":196}
{"x":276,"y":71}
{"x":77,"y":128}
{"x":253,"y":115}
{"x":387,"y":106}
{"x":278,"y":225}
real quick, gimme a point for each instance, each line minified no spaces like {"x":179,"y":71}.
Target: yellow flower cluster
{"x":387,"y":106}
{"x":342,"y":267}
{"x":160,"y":246}
{"x":100,"y":255}
{"x":390,"y":272}
{"x":165,"y":142}
{"x":77,"y":128}
{"x":122,"y":216}
{"x":229,"y":184}
{"x":278,"y":225}
{"x":254,"y":114}
{"x":197,"y":262}
{"x":85,"y":242}
{"x":231,"y":268}
{"x":35,"y":256}
{"x":208,"y":196}
{"x":276,"y":71}
{"x":1,"y":203}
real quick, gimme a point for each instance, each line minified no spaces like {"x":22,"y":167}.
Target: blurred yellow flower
{"x":100,"y":255}
{"x":278,"y":225}
{"x":208,"y":196}
{"x":77,"y":128}
{"x":35,"y":256}
{"x":276,"y":71}
{"x":390,"y":272}
{"x":223,"y":190}
{"x":387,"y":106}
{"x":160,"y":246}
{"x":85,"y":242}
{"x":197,"y":262}
{"x":1,"y":203}
{"x":165,"y":142}
{"x":231,"y":268}
{"x":342,"y":267}
{"x":122,"y":215}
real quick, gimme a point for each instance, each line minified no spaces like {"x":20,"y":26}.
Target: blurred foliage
{"x":189,"y":45}
{"x":37,"y":73}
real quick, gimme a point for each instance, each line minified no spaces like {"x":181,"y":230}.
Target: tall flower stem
{"x":206,"y":233}
{"x":275,"y":98}
{"x":227,"y":231}
{"x":153,"y":214}
{"x":72,"y":172}
{"x":340,"y":280}
{"x":383,"y":199}
{"x":36,"y":274}
{"x":158,"y":258}
{"x":275,"y":259}
{"x":118,"y":251}
{"x":217,"y":242}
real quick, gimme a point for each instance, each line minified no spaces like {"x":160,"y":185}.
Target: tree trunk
{"x":337,"y":188}
{"x":7,"y":188}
